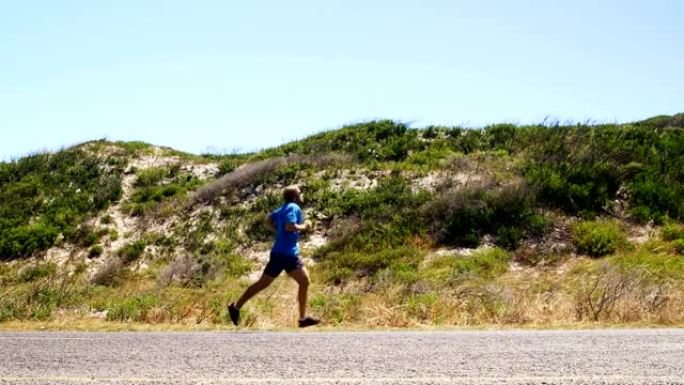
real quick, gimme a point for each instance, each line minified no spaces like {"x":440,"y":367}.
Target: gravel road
{"x":500,"y":357}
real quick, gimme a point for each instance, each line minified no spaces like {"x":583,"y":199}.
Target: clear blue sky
{"x":226,"y":75}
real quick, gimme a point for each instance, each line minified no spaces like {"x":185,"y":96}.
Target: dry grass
{"x":577,"y":293}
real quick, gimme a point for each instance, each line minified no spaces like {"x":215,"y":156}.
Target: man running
{"x":288,"y":223}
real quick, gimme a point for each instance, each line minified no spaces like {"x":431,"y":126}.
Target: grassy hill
{"x":513,"y":225}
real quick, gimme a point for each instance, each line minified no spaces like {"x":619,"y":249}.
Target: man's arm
{"x":293,"y":227}
{"x":294,"y":220}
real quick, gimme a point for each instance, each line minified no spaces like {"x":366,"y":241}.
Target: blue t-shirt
{"x":286,"y":241}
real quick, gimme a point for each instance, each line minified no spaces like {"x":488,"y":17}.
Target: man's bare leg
{"x":302,"y":277}
{"x":254,"y":289}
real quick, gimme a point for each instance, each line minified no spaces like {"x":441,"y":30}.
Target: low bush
{"x":673,"y":232}
{"x":150,"y":176}
{"x":338,"y":308}
{"x":158,"y":184}
{"x":22,"y":241}
{"x":218,"y":261}
{"x":227,"y":166}
{"x":38,"y":290}
{"x":658,"y":264}
{"x":194,"y":235}
{"x":382,"y":218}
{"x":134,"y":308}
{"x":35,"y":271}
{"x":95,"y":251}
{"x":678,"y":245}
{"x":110,"y":272}
{"x":463,"y":215}
{"x":652,"y":196}
{"x":598,"y":238}
{"x":44,"y":195}
{"x":86,"y":235}
{"x":132,"y":251}
{"x":485,"y":263}
{"x":430,"y":158}
{"x":338,"y":266}
{"x":574,"y":187}
{"x":381,"y":140}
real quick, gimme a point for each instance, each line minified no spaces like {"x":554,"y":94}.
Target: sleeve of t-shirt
{"x":291,"y":215}
{"x":300,"y":216}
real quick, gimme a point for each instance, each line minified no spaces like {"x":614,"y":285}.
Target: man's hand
{"x":308,"y":227}
{"x":304,"y":227}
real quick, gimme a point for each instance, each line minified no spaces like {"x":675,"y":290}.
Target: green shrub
{"x":574,"y":188}
{"x":500,"y":136}
{"x":44,"y":195}
{"x":657,"y":264}
{"x":391,"y":195}
{"x":579,"y":168}
{"x":652,"y":196}
{"x":338,"y":266}
{"x":461,"y":217}
{"x":132,"y":251}
{"x":22,"y":241}
{"x":509,"y":237}
{"x":218,"y":259}
{"x":422,"y":306}
{"x":134,"y":308}
{"x":598,"y":238}
{"x":227,"y":165}
{"x":678,"y":245}
{"x":86,"y":236}
{"x":673,"y":232}
{"x":158,"y":184}
{"x":337,"y":308}
{"x":382,"y":140}
{"x":485,"y":263}
{"x":234,"y":265}
{"x":134,"y":147}
{"x":33,"y":272}
{"x":150,"y":176}
{"x":431,"y":157}
{"x":9,"y":311}
{"x":388,"y":215}
{"x":194,"y":238}
{"x":95,"y":251}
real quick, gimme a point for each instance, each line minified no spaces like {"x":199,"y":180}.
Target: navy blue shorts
{"x":279,"y":262}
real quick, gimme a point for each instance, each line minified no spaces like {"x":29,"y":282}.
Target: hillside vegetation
{"x":514,"y":225}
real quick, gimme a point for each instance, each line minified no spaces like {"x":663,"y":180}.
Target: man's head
{"x":292,"y":194}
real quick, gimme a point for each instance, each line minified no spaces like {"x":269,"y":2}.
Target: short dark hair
{"x":290,"y":193}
